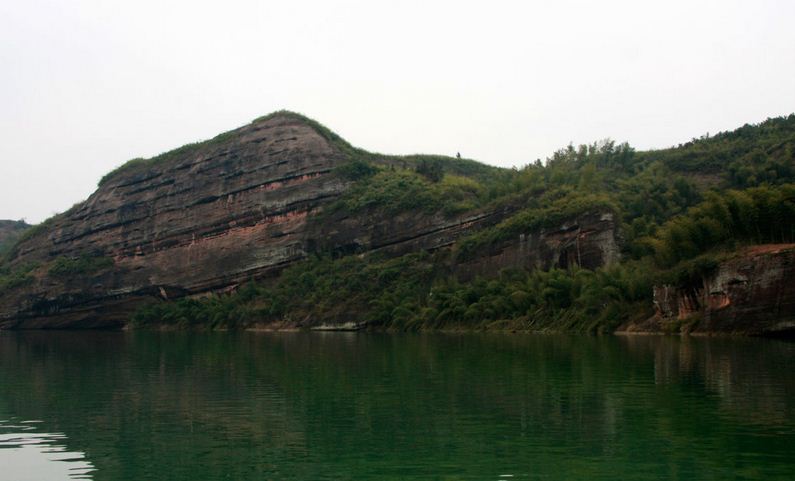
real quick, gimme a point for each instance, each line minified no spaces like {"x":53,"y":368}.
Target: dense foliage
{"x":392,"y":191}
{"x":416,"y":292}
{"x":758,"y":215}
{"x":748,"y":156}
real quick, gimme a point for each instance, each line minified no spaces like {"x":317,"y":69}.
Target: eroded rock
{"x":753,"y":293}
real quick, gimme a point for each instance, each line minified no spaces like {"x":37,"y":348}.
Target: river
{"x":334,"y":406}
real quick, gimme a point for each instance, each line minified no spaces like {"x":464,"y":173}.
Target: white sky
{"x":88,"y":84}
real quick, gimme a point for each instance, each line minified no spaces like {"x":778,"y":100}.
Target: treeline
{"x":416,"y":292}
{"x":752,"y":216}
{"x":748,"y":156}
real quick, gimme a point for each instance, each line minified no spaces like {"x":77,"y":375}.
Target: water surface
{"x":323,"y":406}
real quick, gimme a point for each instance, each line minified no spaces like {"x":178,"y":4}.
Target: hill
{"x":283,"y":224}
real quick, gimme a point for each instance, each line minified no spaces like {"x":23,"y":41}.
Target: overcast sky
{"x":88,"y":84}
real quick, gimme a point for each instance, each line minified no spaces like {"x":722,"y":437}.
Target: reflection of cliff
{"x":748,"y":376}
{"x":315,"y":405}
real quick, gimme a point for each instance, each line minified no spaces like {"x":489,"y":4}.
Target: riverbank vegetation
{"x":415,"y":292}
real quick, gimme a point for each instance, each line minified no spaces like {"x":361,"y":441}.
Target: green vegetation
{"x":546,"y":211}
{"x":393,"y":191}
{"x":748,"y":156}
{"x":75,"y":266}
{"x":320,"y":289}
{"x":756,"y":216}
{"x":356,"y":169}
{"x":17,"y":277}
{"x":61,"y":267}
{"x":416,"y":292}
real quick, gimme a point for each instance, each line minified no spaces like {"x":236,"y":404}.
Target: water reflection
{"x":27,"y":454}
{"x":748,"y":377}
{"x":360,"y":406}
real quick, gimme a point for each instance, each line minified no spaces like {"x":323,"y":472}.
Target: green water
{"x":316,"y":406}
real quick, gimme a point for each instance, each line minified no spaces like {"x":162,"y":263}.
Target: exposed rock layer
{"x":752,"y":293}
{"x":193,"y":223}
{"x":588,"y":241}
{"x":212,"y":216}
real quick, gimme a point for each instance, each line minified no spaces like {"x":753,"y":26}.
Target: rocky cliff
{"x":203,"y":219}
{"x":752,"y":293}
{"x":208,"y":217}
{"x":589,"y":240}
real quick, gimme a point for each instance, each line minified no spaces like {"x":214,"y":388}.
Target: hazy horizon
{"x":89,"y":85}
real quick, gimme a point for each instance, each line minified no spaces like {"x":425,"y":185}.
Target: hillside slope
{"x":336,"y":236}
{"x":209,"y":216}
{"x":10,"y":230}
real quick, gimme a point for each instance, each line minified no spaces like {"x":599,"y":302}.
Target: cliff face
{"x":752,"y":293}
{"x":590,"y":241}
{"x":195,"y":222}
{"x":209,"y":217}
